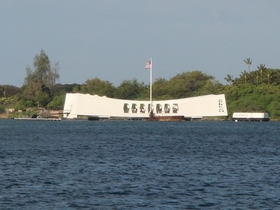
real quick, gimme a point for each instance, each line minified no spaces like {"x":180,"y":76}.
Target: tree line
{"x":252,"y":91}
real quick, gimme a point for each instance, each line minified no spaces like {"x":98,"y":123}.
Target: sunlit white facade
{"x":77,"y":104}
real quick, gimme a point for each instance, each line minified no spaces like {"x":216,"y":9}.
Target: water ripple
{"x":139,"y":165}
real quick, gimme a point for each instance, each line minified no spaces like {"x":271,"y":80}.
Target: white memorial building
{"x":77,"y":104}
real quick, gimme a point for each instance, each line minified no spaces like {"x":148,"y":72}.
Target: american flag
{"x":148,"y":65}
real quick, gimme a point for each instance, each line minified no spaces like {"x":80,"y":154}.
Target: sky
{"x":112,"y":40}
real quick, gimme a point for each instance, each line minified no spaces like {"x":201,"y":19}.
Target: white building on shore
{"x":250,"y":116}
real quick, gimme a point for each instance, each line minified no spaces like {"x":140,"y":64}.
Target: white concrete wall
{"x":93,"y":105}
{"x":70,"y":106}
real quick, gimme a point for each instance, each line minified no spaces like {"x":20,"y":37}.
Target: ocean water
{"x":139,"y":165}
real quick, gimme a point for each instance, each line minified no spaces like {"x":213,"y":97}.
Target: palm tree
{"x":257,"y":77}
{"x":268,"y":74}
{"x":261,"y":69}
{"x":244,"y":74}
{"x":248,"y":61}
{"x":229,"y":79}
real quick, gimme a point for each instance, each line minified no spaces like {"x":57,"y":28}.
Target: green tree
{"x":42,"y":98}
{"x":39,"y":82}
{"x":261,"y":68}
{"x":160,"y":89}
{"x":57,"y":103}
{"x":257,"y":77}
{"x":98,"y":87}
{"x":9,"y":90}
{"x":274,"y":109}
{"x":188,"y":84}
{"x":130,"y":89}
{"x":44,"y":72}
{"x":248,"y":61}
{"x":229,"y":78}
{"x":2,"y":91}
{"x":268,"y":73}
{"x":59,"y":89}
{"x":23,"y":103}
{"x":243,"y":77}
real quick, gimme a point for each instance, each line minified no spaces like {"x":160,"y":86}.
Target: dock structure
{"x":101,"y":107}
{"x":250,"y":116}
{"x":38,"y":119}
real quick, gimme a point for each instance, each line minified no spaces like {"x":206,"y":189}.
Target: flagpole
{"x":151,"y":86}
